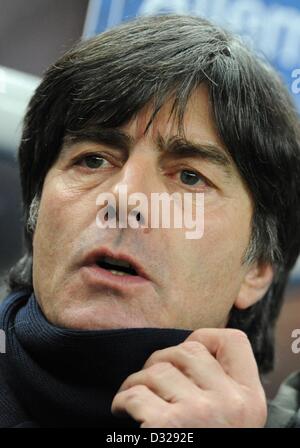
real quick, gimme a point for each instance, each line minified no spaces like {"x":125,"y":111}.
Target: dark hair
{"x":106,"y":80}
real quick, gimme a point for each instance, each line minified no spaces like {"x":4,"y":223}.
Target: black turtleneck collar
{"x":61,"y":377}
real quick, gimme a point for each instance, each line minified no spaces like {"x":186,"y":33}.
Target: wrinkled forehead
{"x":196,"y":123}
{"x":197,"y":120}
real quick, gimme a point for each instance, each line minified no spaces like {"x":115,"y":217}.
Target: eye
{"x":191,"y":178}
{"x":92,"y":161}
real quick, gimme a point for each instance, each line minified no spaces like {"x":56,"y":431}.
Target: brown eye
{"x":92,"y":161}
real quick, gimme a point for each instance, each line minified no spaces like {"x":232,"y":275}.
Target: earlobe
{"x":256,"y":282}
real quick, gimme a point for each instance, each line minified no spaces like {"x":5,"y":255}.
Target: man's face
{"x":191,"y":283}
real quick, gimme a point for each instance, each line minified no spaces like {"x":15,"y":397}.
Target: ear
{"x":257,"y":281}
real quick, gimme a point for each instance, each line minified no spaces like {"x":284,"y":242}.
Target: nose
{"x":138,"y":178}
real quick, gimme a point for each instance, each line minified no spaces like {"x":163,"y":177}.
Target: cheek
{"x":226,"y":236}
{"x":53,"y":221}
{"x":210,"y":268}
{"x":227,"y":229}
{"x":65,"y":210}
{"x":62,"y":216}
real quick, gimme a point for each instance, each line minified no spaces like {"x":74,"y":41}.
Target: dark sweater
{"x":50,"y":376}
{"x":54,"y":377}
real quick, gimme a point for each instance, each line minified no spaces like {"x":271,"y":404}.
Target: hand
{"x":210,"y":380}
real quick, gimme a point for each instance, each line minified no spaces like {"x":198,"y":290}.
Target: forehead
{"x":198,"y":121}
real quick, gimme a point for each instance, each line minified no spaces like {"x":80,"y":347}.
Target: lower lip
{"x":101,"y":277}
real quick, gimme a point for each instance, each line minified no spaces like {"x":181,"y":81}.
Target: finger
{"x":194,"y":360}
{"x":140,"y":403}
{"x":232,"y":350}
{"x":165,"y":380}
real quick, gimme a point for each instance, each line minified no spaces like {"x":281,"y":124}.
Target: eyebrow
{"x":176,"y":146}
{"x":182,"y":147}
{"x":112,"y":137}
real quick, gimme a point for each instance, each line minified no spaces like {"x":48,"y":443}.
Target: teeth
{"x":121,"y":263}
{"x":117,"y":272}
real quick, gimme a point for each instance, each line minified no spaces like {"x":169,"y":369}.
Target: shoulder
{"x":284,"y":410}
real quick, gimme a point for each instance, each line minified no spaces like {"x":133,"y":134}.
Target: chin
{"x":93,"y":319}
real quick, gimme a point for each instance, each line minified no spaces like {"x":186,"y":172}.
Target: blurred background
{"x":33,"y":34}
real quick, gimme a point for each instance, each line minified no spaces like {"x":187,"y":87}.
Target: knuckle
{"x":158,"y":356}
{"x":193,"y":347}
{"x":237,"y":335}
{"x":154,"y":356}
{"x":198,"y":333}
{"x":152,"y":373}
{"x":135,"y":392}
{"x":160,"y":367}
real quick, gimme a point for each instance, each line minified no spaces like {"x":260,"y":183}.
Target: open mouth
{"x":115,"y":266}
{"x":101,"y":267}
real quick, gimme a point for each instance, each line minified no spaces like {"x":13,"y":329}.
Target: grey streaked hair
{"x":33,"y":214}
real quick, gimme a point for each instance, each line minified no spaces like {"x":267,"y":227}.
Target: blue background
{"x":272,"y":27}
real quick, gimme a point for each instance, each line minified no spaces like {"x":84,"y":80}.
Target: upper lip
{"x":94,"y":256}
